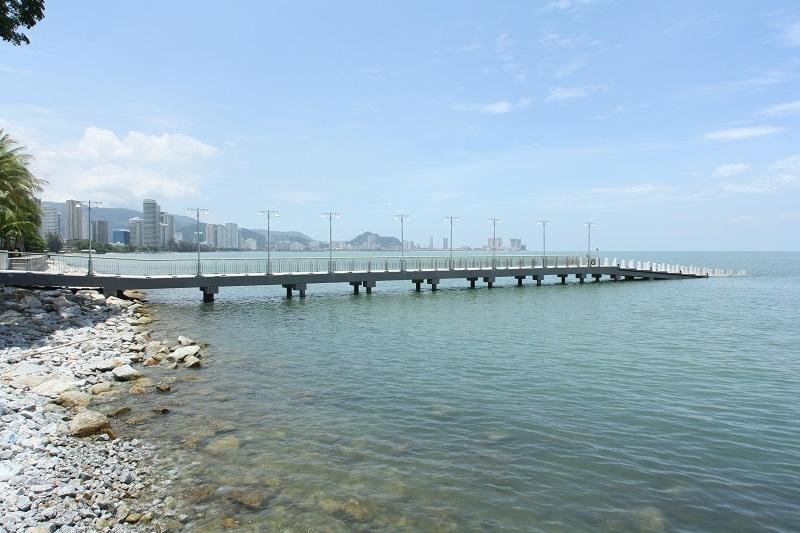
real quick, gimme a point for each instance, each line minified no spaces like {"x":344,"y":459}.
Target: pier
{"x":296,"y":274}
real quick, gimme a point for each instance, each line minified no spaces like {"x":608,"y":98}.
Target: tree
{"x":54,"y":242}
{"x":19,"y":13}
{"x":20,"y":215}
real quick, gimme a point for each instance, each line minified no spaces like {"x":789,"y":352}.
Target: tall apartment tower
{"x":73,"y":223}
{"x":100,"y":231}
{"x":167,"y":228}
{"x":50,"y":225}
{"x":136,"y":229}
{"x":151,"y":224}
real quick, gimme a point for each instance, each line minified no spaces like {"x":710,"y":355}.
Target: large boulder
{"x":73,"y":399}
{"x":56,"y":384}
{"x":87,"y":423}
{"x":126,"y":373}
{"x":191,"y":362}
{"x":183,"y":352}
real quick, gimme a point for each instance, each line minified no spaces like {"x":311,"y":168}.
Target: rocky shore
{"x":64,"y":358}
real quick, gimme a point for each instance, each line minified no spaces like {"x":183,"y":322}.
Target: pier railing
{"x":121,"y":266}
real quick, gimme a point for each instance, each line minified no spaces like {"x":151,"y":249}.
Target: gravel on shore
{"x":63,"y":355}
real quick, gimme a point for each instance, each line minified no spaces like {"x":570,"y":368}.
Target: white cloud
{"x":568,"y":69}
{"x":783,"y":174}
{"x":553,"y":39}
{"x":494,"y":108}
{"x":122,"y":170}
{"x":782,"y":109}
{"x":508,"y":63}
{"x":738,"y":134}
{"x":569,"y":93}
{"x":789,"y":33}
{"x":730,"y":169}
{"x":568,"y":4}
{"x":787,"y":170}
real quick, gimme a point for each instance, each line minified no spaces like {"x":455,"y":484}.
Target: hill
{"x":370,"y":240}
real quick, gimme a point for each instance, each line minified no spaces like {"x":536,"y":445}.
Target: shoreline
{"x":65,"y":360}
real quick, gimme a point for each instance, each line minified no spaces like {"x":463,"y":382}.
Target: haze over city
{"x":672,"y":126}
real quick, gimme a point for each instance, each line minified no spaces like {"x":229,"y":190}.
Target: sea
{"x":639,"y":406}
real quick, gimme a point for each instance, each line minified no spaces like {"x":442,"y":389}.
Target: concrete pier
{"x":357,"y":272}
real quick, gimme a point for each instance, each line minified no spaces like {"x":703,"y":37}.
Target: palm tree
{"x":19,"y":211}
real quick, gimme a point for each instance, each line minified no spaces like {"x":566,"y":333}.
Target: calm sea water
{"x":630,"y":406}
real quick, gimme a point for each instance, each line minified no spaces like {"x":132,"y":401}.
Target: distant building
{"x":249,"y":244}
{"x":177,"y":236}
{"x":100,"y":231}
{"x":167,"y":228}
{"x":495,"y":243}
{"x":213,"y":235}
{"x":151,"y":224}
{"x":230,"y":236}
{"x":445,"y":243}
{"x":50,"y":222}
{"x":136,"y":229}
{"x":430,"y":246}
{"x":122,"y":236}
{"x":73,"y":223}
{"x":516,"y":245}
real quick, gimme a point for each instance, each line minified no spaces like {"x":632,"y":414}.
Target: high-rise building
{"x":430,"y":246}
{"x":445,"y":243}
{"x":249,"y":244}
{"x":167,"y":228}
{"x":122,"y":236}
{"x":516,"y":245}
{"x":151,"y":224}
{"x":73,"y":223}
{"x":100,"y":231}
{"x":136,"y":229}
{"x":213,"y":234}
{"x":50,"y":223}
{"x":495,"y":243}
{"x":230,"y":236}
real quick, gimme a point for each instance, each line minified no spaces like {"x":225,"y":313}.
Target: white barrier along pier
{"x":296,"y":273}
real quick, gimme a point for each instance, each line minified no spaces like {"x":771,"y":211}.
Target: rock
{"x":172,"y":366}
{"x":185,"y":341}
{"x":87,"y":423}
{"x":30,"y":301}
{"x":67,"y":491}
{"x":133,"y":518}
{"x":55,"y":385}
{"x":229,"y":522}
{"x":183,"y":352}
{"x":119,"y":412}
{"x":223,"y":444}
{"x":122,"y":512}
{"x":72,"y":399}
{"x":134,"y":294}
{"x":107,"y":364}
{"x":151,"y":361}
{"x":126,"y":373}
{"x":160,"y":410}
{"x":191,"y":362}
{"x":251,"y":499}
{"x":357,"y":510}
{"x":24,"y":503}
{"x":137,"y":390}
{"x":97,"y":388}
{"x":163,"y":387}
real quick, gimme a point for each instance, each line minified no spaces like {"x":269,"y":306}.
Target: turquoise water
{"x":629,"y":406}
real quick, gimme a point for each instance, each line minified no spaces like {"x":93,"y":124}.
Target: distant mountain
{"x":373,"y":240}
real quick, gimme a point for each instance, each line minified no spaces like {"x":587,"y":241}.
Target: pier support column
{"x":417,"y":284}
{"x":369,"y":286}
{"x":121,"y":293}
{"x":208,"y":293}
{"x":489,"y":280}
{"x":614,"y":277}
{"x":539,"y":281}
{"x":301,"y":288}
{"x":472,"y":282}
{"x":597,"y":277}
{"x":288,"y":288}
{"x":520,"y":279}
{"x":580,"y":277}
{"x":355,"y":285}
{"x":563,"y":278}
{"x":433,"y":282}
{"x":629,"y":278}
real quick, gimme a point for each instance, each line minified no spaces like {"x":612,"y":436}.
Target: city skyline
{"x":680,"y":119}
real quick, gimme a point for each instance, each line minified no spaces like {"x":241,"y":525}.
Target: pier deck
{"x":295,"y":274}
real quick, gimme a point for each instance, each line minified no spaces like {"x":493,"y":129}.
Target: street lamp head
{"x":269,"y":212}
{"x":195,"y":210}
{"x":330,"y":215}
{"x":495,"y":221}
{"x":452,"y":219}
{"x":402,"y":217}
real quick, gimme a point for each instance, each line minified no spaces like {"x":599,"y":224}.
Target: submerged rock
{"x":191,"y":362}
{"x":183,"y":352}
{"x":252,"y":499}
{"x":163,"y":387}
{"x":223,"y":444}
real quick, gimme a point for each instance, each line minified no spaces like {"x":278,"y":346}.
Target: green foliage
{"x":54,"y":242}
{"x":20,"y":215}
{"x":19,"y":13}
{"x":33,"y":241}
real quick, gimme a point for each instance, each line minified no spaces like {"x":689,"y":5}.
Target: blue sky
{"x":671,"y":125}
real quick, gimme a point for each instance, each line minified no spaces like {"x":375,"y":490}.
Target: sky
{"x":670,"y":125}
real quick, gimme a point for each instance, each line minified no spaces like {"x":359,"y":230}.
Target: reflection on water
{"x":643,"y":406}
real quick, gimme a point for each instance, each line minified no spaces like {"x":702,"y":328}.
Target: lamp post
{"x":494,"y":222}
{"x":589,"y":224}
{"x":88,"y":203}
{"x":330,"y":215}
{"x":269,"y":213}
{"x":544,"y":224}
{"x":451,"y":219}
{"x":402,"y":218}
{"x":197,"y":211}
